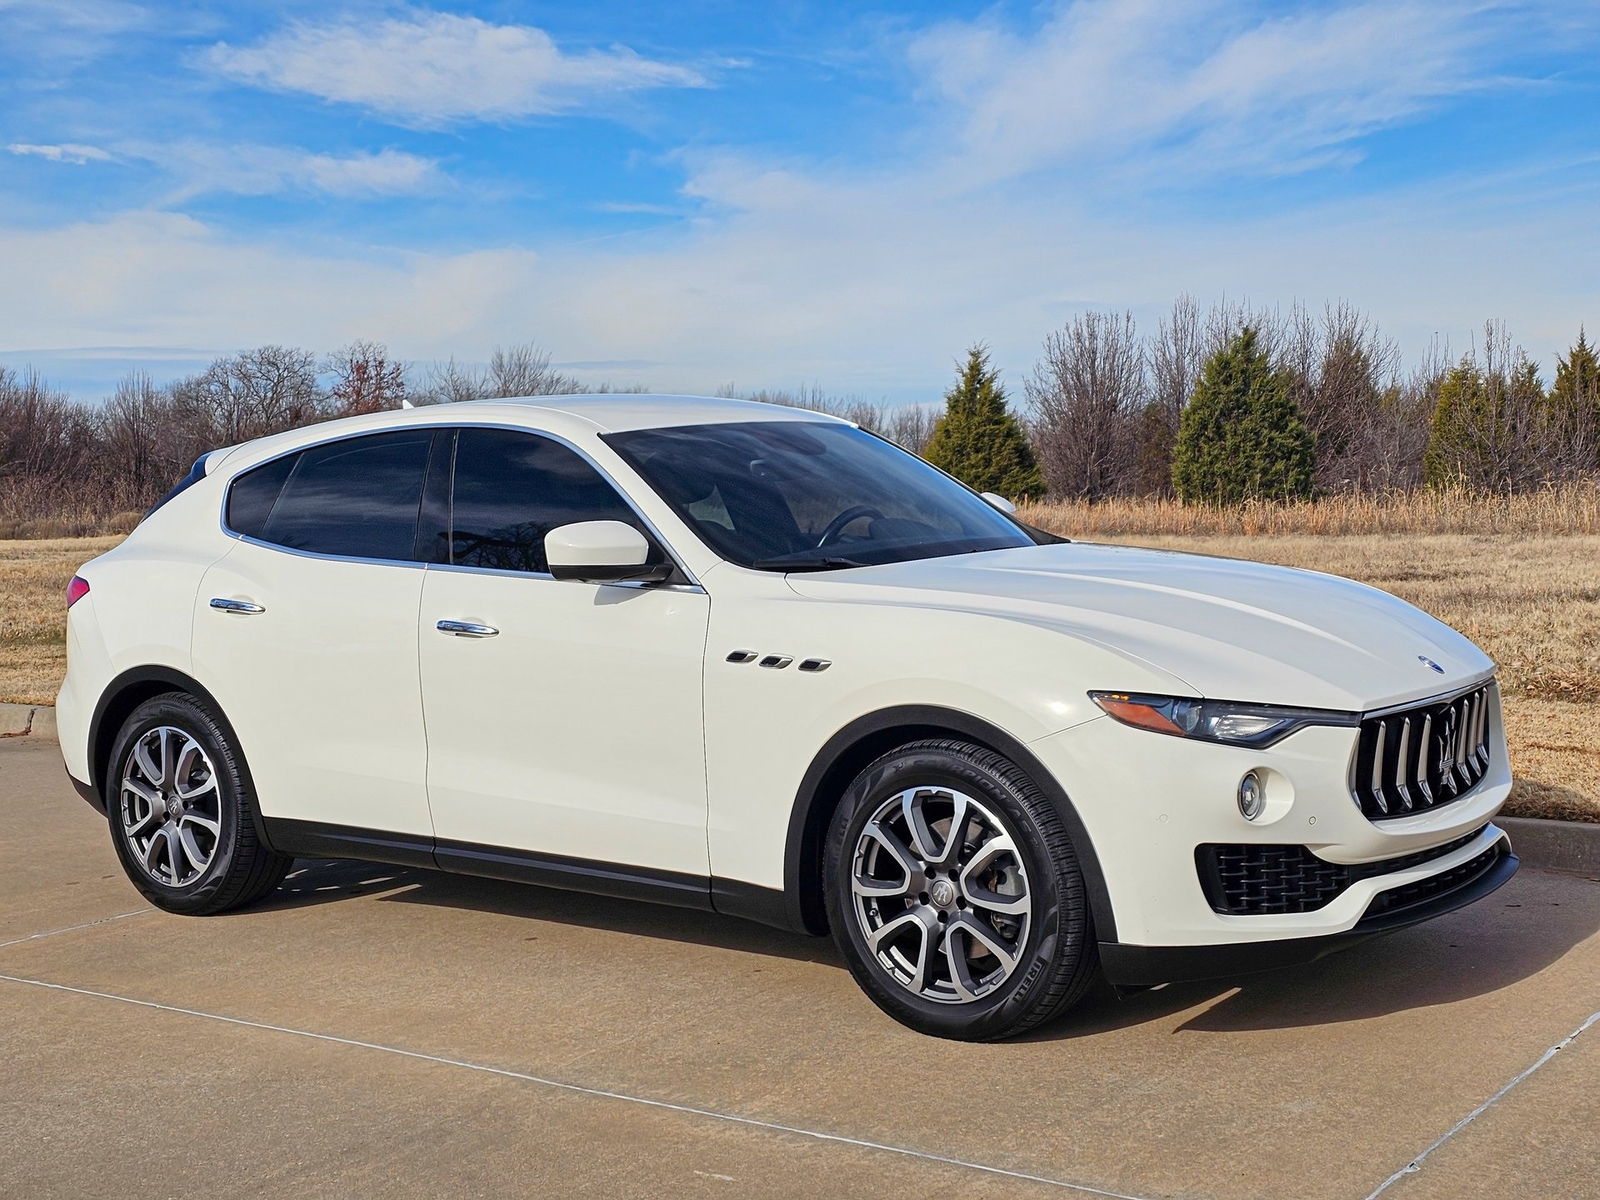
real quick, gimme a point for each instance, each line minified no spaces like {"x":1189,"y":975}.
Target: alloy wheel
{"x":941,"y":894}
{"x":170,"y":806}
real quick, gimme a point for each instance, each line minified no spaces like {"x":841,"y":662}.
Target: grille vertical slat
{"x":1422,"y":757}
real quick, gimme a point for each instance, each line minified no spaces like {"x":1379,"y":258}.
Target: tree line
{"x":1231,"y":404}
{"x":1213,"y":406}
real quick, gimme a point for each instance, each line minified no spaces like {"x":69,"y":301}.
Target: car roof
{"x":617,"y":412}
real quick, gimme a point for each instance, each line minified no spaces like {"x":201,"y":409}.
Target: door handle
{"x":244,"y":607}
{"x":466,"y":629}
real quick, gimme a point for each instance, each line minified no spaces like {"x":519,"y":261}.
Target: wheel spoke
{"x":152,"y":851}
{"x":897,"y":849}
{"x":142,"y":790}
{"x":186,"y":794}
{"x":197,"y":857}
{"x":957,"y":836}
{"x":148,"y":767}
{"x":925,"y":925}
{"x":169,"y":758}
{"x":141,"y":825}
{"x":956,"y":958}
{"x":979,"y":932}
{"x":214,"y":828}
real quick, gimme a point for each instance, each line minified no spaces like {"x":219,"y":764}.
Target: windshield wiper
{"x":801,"y":562}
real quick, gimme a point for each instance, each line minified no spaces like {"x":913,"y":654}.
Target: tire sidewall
{"x":183,"y":713}
{"x":1009,"y":1006}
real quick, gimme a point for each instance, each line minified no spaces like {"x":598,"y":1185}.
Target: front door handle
{"x":222,"y":604}
{"x":466,"y":629}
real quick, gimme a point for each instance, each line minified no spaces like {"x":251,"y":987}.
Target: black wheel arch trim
{"x":851,"y":748}
{"x":138,"y":681}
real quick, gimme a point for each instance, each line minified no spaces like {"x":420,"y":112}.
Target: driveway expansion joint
{"x":1415,"y":1165}
{"x":577,"y":1088}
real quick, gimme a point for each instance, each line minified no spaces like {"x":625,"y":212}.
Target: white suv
{"x":743,"y":658}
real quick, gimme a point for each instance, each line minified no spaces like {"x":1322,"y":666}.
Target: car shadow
{"x":1503,"y":939}
{"x":326,"y":880}
{"x":1507,"y":937}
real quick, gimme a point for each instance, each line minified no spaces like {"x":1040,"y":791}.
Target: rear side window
{"x":357,"y":497}
{"x":513,"y":488}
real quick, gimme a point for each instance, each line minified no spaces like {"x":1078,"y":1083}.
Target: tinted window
{"x":357,"y":497}
{"x":513,"y":488}
{"x":252,"y":495}
{"x":797,"y":496}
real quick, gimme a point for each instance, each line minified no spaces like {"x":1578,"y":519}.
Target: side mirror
{"x":601,"y":552}
{"x":999,"y":502}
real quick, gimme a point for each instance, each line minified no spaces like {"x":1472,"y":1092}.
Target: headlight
{"x":1253,"y":725}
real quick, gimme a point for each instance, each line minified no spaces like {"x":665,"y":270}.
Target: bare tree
{"x":255,"y":393}
{"x":1085,"y":394}
{"x":1175,"y":355}
{"x":365,"y":379}
{"x":524,"y":370}
{"x":142,"y":447}
{"x":47,"y":445}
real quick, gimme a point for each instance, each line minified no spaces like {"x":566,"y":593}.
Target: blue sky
{"x":845,"y":195}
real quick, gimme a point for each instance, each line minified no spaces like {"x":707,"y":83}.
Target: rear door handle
{"x":223,"y":604}
{"x":466,"y":629}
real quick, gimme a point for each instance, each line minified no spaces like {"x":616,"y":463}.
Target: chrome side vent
{"x":776,"y":662}
{"x":815,"y":664}
{"x":742,"y":656}
{"x":1419,"y":758}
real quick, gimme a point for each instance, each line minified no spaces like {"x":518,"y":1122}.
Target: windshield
{"x":811,"y":495}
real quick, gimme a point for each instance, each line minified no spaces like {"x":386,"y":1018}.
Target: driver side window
{"x":509,"y":489}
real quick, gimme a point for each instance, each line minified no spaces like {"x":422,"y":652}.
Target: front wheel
{"x":955,"y":895}
{"x":181,"y":813}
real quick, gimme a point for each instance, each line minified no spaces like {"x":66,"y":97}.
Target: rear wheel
{"x":181,"y":815}
{"x":955,"y":894}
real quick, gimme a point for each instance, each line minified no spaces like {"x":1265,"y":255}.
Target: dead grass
{"x":33,"y":613}
{"x":1531,"y":601}
{"x":1567,"y":509}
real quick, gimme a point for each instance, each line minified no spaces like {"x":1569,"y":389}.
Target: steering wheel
{"x":840,"y":523}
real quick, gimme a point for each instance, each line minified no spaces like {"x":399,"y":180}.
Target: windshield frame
{"x":841,"y":557}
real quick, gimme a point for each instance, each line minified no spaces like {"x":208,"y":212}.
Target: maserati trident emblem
{"x":1428,"y":662}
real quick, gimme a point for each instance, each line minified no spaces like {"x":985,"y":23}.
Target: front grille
{"x":1257,"y":880}
{"x":1419,"y":758}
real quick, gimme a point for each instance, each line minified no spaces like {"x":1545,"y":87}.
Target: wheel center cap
{"x":174,"y":807}
{"x":942,"y":893}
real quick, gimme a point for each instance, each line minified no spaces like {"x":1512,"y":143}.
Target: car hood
{"x":1226,"y":628}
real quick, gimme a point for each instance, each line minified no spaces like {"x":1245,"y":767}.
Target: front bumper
{"x":1145,"y":966}
{"x":1148,"y":801}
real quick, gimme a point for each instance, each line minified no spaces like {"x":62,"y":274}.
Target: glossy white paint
{"x":575,"y":729}
{"x":605,"y":722}
{"x":596,"y":544}
{"x":322,"y":687}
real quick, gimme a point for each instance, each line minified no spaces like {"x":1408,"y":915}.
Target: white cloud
{"x":253,"y":170}
{"x":434,"y":68}
{"x":66,"y":152}
{"x":1204,"y":86}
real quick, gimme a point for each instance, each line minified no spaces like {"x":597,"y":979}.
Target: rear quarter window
{"x":356,"y":498}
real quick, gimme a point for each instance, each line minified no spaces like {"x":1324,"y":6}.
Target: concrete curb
{"x":28,"y":720}
{"x":1570,"y":846}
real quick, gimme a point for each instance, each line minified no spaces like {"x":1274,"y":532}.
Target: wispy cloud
{"x":436,"y":68}
{"x":1211,"y":86}
{"x":66,"y":152}
{"x":253,"y":170}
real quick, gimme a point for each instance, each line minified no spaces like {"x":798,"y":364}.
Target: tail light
{"x":77,"y":590}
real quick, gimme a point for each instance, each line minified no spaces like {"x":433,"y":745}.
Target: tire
{"x":978,"y":941}
{"x":183,"y":819}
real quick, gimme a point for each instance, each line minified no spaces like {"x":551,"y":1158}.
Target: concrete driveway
{"x":379,"y":1031}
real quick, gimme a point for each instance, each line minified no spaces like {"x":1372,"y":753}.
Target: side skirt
{"x":316,"y":839}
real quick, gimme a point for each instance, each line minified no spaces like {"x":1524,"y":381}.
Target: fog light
{"x":1252,"y":799}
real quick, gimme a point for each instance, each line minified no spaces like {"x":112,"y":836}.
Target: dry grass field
{"x":1520,"y":577}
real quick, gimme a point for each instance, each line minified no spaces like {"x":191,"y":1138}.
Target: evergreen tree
{"x":1575,"y":398}
{"x":1242,"y":436}
{"x":978,"y":440}
{"x":1491,"y":428}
